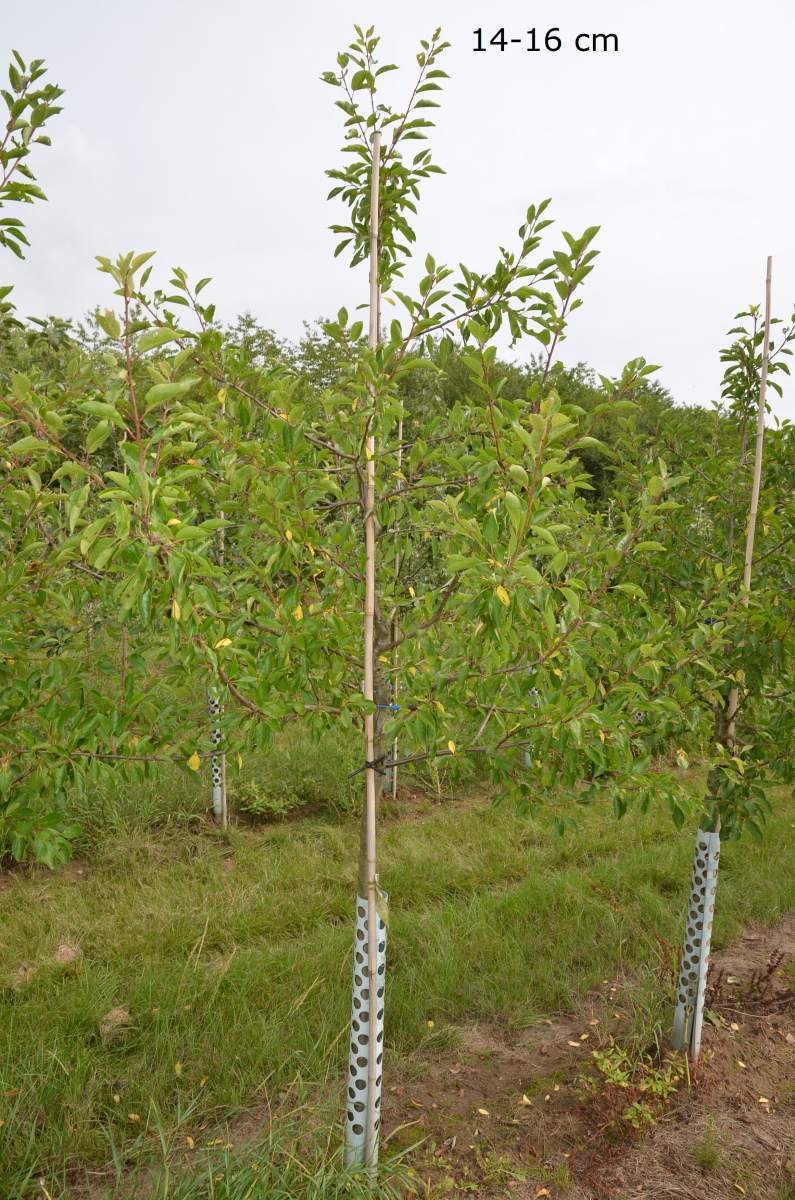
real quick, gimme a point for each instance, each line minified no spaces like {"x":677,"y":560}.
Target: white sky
{"x":201,"y":129}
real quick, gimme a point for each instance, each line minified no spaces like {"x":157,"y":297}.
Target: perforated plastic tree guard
{"x":689,"y":1015}
{"x":362,"y":1043}
{"x":534,"y":699}
{"x":216,"y":760}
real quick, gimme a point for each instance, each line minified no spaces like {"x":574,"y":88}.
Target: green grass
{"x":232,"y":956}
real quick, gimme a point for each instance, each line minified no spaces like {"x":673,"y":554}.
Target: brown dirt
{"x":503,"y":1114}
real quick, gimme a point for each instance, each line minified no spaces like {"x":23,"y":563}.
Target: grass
{"x":232,"y":957}
{"x":706,"y":1152}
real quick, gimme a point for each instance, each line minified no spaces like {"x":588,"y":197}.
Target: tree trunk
{"x":369,"y":967}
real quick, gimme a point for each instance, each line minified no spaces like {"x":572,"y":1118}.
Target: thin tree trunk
{"x":367,"y":1043}
{"x":734,"y":695}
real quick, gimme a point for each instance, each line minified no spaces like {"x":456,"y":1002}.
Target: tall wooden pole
{"x":396,"y":652}
{"x":369,"y":658}
{"x":218,"y":761}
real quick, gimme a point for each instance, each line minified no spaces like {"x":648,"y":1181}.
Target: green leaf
{"x":26,"y":445}
{"x":109,"y":324}
{"x":513,"y":504}
{"x":98,"y":436}
{"x":159,"y":337}
{"x":168,"y":391}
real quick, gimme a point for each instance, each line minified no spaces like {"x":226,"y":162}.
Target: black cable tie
{"x":370,"y":766}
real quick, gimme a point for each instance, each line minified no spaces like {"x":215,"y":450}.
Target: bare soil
{"x":504,"y":1115}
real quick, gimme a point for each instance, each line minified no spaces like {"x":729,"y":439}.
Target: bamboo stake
{"x":396,"y":652}
{"x":124,"y":656}
{"x":750,"y":533}
{"x":218,"y":761}
{"x":371,"y":1143}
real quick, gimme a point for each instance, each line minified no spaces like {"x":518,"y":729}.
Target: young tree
{"x":29,"y":109}
{"x":752,"y":704}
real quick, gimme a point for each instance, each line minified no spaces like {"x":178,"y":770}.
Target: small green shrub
{"x":300,"y":772}
{"x":629,"y":1093}
{"x":706,"y":1152}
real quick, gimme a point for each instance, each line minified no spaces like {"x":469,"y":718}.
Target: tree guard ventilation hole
{"x":362,"y":1045}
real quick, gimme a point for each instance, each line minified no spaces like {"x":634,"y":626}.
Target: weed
{"x":625,"y":1093}
{"x":299,"y":773}
{"x":706,"y":1152}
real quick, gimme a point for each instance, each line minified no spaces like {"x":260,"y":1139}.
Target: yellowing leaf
{"x":412,"y":670}
{"x":173,"y":521}
{"x":223,"y":642}
{"x":178,"y":1068}
{"x":189,"y":1142}
{"x":239,"y":762}
{"x":194,"y":762}
{"x":412,"y":593}
{"x":133,"y":1117}
{"x":557,"y":671}
{"x":502,"y":595}
{"x":222,"y":396}
{"x":298,"y":613}
{"x":525,"y":1100}
{"x":176,"y":611}
{"x":484,"y":1112}
{"x":288,"y":533}
{"x":451,"y":747}
{"x":601,"y":735}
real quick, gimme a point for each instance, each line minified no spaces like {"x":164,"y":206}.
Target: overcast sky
{"x":201,"y":129}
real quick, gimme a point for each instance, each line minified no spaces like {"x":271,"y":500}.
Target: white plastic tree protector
{"x":216,"y":760}
{"x":362,"y":1043}
{"x":691,"y":987}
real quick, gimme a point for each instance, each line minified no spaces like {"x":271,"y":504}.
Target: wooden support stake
{"x":373,"y":1070}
